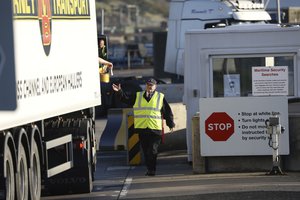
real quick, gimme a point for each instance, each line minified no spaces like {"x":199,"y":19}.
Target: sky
{"x":283,"y":3}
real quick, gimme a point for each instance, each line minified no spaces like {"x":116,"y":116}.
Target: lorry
{"x":47,"y":124}
{"x":204,"y":14}
{"x":210,"y":15}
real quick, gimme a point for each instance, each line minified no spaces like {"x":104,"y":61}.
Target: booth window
{"x":235,"y":72}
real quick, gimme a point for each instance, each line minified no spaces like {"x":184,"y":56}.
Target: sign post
{"x":235,"y":126}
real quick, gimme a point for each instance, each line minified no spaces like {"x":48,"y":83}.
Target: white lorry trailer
{"x":48,"y":140}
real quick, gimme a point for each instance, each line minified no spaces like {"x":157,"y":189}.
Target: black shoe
{"x":150,"y":173}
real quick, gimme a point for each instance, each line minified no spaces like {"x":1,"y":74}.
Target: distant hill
{"x":156,"y":7}
{"x":126,"y":14}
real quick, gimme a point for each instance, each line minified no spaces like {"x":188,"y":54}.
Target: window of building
{"x":230,"y":70}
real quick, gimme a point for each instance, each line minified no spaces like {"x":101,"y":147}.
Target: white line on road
{"x":125,"y":188}
{"x":119,"y":168}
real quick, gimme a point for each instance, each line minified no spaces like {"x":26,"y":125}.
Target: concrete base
{"x":238,"y":164}
{"x":292,"y":161}
{"x":174,"y":141}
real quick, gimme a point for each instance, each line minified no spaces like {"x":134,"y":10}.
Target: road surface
{"x":175,"y":180}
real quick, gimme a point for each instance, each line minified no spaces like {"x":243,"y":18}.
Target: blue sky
{"x":283,"y":3}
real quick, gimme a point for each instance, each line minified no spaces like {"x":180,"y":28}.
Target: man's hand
{"x":116,"y":87}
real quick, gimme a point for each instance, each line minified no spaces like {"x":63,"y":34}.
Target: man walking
{"x":149,"y":109}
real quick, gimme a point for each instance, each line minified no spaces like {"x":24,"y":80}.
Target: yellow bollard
{"x":134,"y":150}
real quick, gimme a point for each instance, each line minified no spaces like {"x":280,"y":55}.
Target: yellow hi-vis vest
{"x":147,"y":114}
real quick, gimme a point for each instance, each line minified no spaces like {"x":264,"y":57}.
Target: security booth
{"x":238,"y":77}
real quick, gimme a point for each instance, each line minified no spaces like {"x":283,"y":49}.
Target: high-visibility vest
{"x":147,"y":114}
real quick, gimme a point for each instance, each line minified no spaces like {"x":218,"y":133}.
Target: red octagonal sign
{"x":219,"y":126}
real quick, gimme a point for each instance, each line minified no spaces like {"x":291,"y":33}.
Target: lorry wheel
{"x":93,"y":148}
{"x":83,"y":163}
{"x":9,"y":174}
{"x":87,"y":172}
{"x":88,"y":186}
{"x":34,"y":172}
{"x":22,"y":175}
{"x":90,"y":166}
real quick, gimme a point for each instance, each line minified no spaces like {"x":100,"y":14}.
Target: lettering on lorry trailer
{"x":46,"y":10}
{"x":48,"y":85}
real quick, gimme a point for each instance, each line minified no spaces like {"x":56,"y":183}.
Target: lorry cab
{"x":195,"y":14}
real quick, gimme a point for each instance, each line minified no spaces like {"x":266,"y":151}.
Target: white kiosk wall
{"x":263,"y":44}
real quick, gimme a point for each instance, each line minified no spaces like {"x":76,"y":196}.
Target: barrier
{"x":114,"y":120}
{"x":133,"y":143}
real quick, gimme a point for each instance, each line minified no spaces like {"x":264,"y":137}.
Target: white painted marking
{"x":126,"y":187}
{"x":119,"y":168}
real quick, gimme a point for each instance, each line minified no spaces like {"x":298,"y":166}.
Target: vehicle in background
{"x":194,"y":14}
{"x":289,"y":11}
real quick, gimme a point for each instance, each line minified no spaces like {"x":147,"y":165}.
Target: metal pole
{"x":128,"y":59}
{"x":276,"y":130}
{"x":102,"y":21}
{"x":275,"y":145}
{"x":278,"y":12}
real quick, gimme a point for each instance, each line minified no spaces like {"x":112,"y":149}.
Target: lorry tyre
{"x":9,"y":174}
{"x":86,"y":172}
{"x":83,"y":163}
{"x":90,"y":165}
{"x":22,"y":175}
{"x":93,"y":147}
{"x":34,"y":172}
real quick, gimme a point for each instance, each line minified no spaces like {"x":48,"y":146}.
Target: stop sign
{"x":219,"y":126}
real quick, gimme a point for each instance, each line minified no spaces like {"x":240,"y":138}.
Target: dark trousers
{"x":150,"y":143}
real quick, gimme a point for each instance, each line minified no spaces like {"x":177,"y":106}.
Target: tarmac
{"x":175,"y":180}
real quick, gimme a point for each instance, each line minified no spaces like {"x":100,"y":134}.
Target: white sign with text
{"x":270,"y":81}
{"x":234,"y":126}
